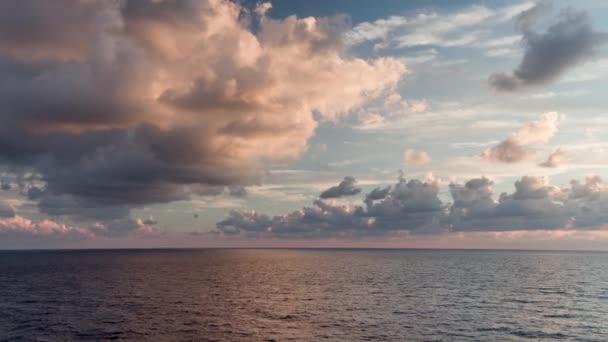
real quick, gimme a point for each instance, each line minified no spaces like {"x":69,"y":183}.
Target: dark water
{"x":303,"y":295}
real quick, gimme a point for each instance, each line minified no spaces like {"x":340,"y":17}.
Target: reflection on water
{"x":303,"y":295}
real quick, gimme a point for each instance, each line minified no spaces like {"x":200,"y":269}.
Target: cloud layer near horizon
{"x":414,"y":206}
{"x":119,"y":104}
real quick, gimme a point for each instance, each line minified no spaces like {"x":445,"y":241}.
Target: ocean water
{"x":303,"y":295}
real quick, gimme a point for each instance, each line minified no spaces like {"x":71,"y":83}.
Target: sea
{"x":303,"y":295}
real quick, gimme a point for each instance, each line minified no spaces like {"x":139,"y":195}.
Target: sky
{"x":217,"y":123}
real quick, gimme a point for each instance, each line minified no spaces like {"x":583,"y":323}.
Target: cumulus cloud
{"x":555,"y":159}
{"x":518,"y":146}
{"x":414,"y":206}
{"x":347,"y":187}
{"x":121,"y":104}
{"x":408,"y":205}
{"x":418,"y":158}
{"x":566,"y":43}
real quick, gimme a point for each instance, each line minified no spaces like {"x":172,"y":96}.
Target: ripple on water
{"x":303,"y":295}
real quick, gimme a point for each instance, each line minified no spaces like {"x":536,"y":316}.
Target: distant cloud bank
{"x":414,"y":206}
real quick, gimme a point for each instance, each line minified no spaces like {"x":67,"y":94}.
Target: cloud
{"x":347,"y":187}
{"x":263,"y":7}
{"x":121,"y":104}
{"x":20,"y":227}
{"x":517,"y":147}
{"x":414,"y":206}
{"x":126,"y":226}
{"x":419,"y":106}
{"x":568,"y":42}
{"x":418,"y":158}
{"x":4,"y":185}
{"x":398,"y":106}
{"x":369,"y":119}
{"x":432,"y":28}
{"x":555,"y":159}
{"x":6,"y":210}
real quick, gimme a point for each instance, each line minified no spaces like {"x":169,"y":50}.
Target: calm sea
{"x":303,"y":295}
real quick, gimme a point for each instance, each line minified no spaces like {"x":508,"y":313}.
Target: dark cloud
{"x":113,"y":105}
{"x":347,"y":187}
{"x":376,"y":194}
{"x":414,"y":206}
{"x":5,"y":185}
{"x":150,"y":221}
{"x":568,"y":42}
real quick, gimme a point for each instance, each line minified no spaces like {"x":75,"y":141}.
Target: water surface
{"x":303,"y":295}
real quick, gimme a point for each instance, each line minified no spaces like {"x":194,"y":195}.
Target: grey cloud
{"x":124,"y":227}
{"x":377,"y":194}
{"x":530,"y":207}
{"x":347,"y":187}
{"x":568,"y":42}
{"x":150,"y":221}
{"x":414,"y":206}
{"x":5,"y":185}
{"x":408,"y":205}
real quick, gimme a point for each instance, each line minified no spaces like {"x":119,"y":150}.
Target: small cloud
{"x":517,"y":147}
{"x":392,"y":99}
{"x":369,"y":119}
{"x":263,"y":8}
{"x":419,"y":106}
{"x":345,"y":188}
{"x":150,"y":221}
{"x":555,"y":159}
{"x":418,"y":158}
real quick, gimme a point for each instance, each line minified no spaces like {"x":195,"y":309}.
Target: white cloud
{"x":439,"y":29}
